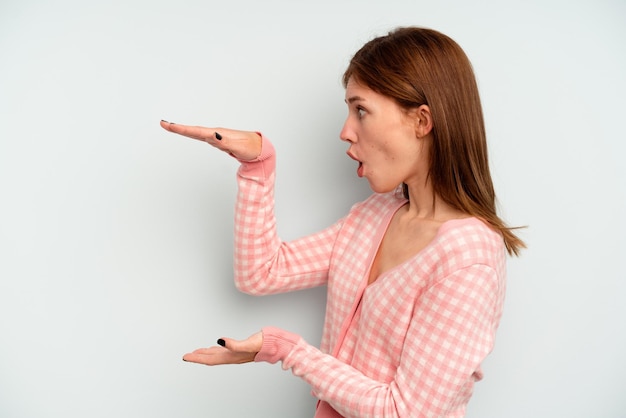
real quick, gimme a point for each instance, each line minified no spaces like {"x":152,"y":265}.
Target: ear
{"x":423,"y":120}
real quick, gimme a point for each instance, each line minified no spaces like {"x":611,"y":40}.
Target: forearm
{"x":263,"y":263}
{"x":347,"y":389}
{"x":450,"y":332}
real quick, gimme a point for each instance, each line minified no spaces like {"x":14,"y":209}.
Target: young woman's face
{"x":382,"y":139}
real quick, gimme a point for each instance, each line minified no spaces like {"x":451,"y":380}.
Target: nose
{"x":347,"y":134}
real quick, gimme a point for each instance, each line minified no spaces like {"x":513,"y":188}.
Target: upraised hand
{"x":231,"y":352}
{"x":243,"y":145}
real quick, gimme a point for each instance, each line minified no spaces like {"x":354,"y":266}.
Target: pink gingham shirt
{"x":408,"y":345}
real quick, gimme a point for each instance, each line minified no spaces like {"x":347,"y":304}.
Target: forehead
{"x":356,"y":91}
{"x":359,"y":93}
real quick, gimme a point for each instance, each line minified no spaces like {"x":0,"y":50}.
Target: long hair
{"x":418,"y":66}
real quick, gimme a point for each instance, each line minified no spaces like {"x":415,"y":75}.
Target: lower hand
{"x":232,"y":352}
{"x":244,"y":145}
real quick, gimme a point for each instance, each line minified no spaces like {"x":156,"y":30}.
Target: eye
{"x":360,"y":112}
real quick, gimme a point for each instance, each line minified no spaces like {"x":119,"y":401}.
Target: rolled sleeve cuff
{"x":277,"y":344}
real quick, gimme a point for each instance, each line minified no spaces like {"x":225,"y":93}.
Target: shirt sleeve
{"x":451,"y":331}
{"x":263,"y":263}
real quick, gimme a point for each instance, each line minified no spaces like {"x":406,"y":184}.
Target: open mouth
{"x":359,"y":170}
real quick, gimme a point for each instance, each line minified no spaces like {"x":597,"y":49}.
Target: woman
{"x":416,"y":273}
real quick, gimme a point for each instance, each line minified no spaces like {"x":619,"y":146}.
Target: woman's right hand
{"x":229,"y":352}
{"x":243,"y":145}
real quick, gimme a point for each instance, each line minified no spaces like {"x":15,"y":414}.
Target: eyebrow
{"x":353,"y":99}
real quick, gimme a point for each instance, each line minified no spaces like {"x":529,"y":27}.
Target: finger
{"x":251,"y":344}
{"x":209,"y":350}
{"x":195,"y":132}
{"x":214,"y":356}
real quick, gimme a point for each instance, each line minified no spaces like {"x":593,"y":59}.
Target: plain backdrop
{"x":116,"y":236}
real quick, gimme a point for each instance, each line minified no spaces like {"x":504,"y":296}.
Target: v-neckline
{"x":364,"y":285}
{"x":380,"y":235}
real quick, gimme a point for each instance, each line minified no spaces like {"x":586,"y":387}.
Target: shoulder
{"x":461,"y":243}
{"x":469,"y":233}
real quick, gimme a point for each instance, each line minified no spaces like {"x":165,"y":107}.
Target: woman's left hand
{"x":232,"y":352}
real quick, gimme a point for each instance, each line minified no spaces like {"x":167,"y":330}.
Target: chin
{"x":380,"y":188}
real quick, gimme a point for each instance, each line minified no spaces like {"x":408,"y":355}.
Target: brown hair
{"x":417,"y":66}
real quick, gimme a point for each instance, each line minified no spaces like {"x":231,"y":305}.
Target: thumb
{"x":250,"y":345}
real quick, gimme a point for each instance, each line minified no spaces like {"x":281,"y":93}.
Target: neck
{"x":425,"y":204}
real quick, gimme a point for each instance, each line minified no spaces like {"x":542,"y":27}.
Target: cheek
{"x":390,"y":152}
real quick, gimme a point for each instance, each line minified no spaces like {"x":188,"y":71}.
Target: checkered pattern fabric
{"x":408,"y":345}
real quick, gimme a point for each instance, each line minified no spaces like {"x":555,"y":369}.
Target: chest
{"x":401,"y":242}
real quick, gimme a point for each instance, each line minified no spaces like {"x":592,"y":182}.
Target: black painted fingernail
{"x":218,"y":136}
{"x":221,"y":342}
